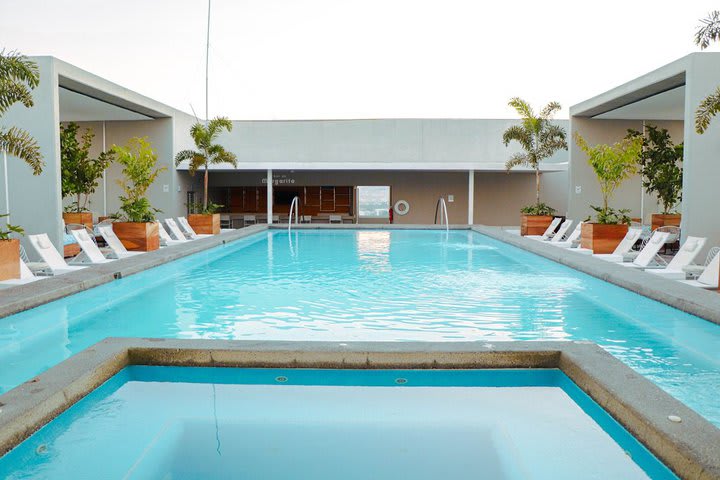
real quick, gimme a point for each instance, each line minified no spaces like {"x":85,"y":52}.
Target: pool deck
{"x":691,"y":447}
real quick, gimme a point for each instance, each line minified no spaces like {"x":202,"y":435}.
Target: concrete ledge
{"x":691,"y":448}
{"x":24,"y":297}
{"x":697,"y":301}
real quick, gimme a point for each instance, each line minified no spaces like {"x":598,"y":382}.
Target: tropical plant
{"x":199,"y":208}
{"x":538,"y":137}
{"x":537,"y":209}
{"x":138,"y":160}
{"x":18,"y":77}
{"x":207,"y":153}
{"x":80,"y":173}
{"x":660,"y":166}
{"x":708,"y":32}
{"x":9,"y":229}
{"x":613,"y":164}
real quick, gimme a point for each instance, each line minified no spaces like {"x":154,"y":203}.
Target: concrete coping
{"x":696,"y":301}
{"x":691,"y":448}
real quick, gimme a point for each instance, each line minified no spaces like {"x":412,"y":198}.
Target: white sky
{"x":293,"y":59}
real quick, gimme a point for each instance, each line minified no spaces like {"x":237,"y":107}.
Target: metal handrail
{"x":443,"y":211}
{"x":294,"y":205}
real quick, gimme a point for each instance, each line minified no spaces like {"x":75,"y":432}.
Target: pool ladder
{"x":441,"y":207}
{"x":293,"y":208}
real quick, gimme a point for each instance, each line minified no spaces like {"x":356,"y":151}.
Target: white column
{"x":471,"y":196}
{"x":7,"y":187}
{"x":269,"y":196}
{"x":104,"y":147}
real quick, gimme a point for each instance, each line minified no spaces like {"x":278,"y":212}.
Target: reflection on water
{"x":374,"y":285}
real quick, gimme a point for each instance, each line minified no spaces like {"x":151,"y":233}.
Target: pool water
{"x":198,"y":423}
{"x":400,"y":285}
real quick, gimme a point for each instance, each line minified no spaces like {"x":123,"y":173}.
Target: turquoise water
{"x":199,"y":423}
{"x":374,"y":285}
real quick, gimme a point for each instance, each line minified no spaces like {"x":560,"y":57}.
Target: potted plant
{"x":204,"y":218}
{"x":613,"y":164}
{"x":137,"y":228}
{"x":9,"y":251}
{"x":79,"y":173}
{"x":539,"y":139}
{"x":661,"y":172}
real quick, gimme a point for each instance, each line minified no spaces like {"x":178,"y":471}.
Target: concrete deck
{"x":691,"y":448}
{"x":697,"y":301}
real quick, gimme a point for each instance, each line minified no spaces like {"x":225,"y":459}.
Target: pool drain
{"x":281,"y":379}
{"x":401,"y":381}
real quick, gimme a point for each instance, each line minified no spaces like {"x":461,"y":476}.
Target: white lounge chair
{"x":335,"y":219}
{"x":682,"y":258}
{"x":175,"y":231}
{"x":631,"y":237}
{"x":26,"y":276}
{"x":188,"y":230}
{"x":56,"y":264}
{"x":709,"y":277}
{"x":572,"y":240}
{"x":117,"y":249}
{"x":90,"y":252}
{"x":649,"y":252}
{"x":549,"y":231}
{"x":165,"y":238}
{"x":560,"y":234}
{"x":692,"y":270}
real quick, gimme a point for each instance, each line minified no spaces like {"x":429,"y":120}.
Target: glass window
{"x":373,"y":202}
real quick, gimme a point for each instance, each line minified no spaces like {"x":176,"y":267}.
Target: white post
{"x":104,"y":171}
{"x":471,"y":196}
{"x":269,"y":196}
{"x":7,"y":186}
{"x":207,"y":65}
{"x":642,"y":192}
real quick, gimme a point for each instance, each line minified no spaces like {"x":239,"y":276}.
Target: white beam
{"x":471,"y":196}
{"x":269,"y":196}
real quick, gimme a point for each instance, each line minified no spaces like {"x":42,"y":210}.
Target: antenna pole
{"x":207,"y":62}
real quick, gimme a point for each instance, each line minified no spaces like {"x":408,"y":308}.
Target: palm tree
{"x":18,"y":76}
{"x":708,"y":32}
{"x":538,"y":137}
{"x":207,"y":153}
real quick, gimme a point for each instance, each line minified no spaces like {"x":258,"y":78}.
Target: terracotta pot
{"x":142,"y":237}
{"x":663,"y":220}
{"x":9,"y":259}
{"x":601,"y":238}
{"x":205,"y":224}
{"x":534,"y":224}
{"x":82,"y":218}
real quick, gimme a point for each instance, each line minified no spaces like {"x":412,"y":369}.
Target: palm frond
{"x":709,"y":30}
{"x":549,"y":109}
{"x":522,"y":107}
{"x":11,"y":93}
{"x":519,"y":134}
{"x":707,"y":109}
{"x":21,"y":144}
{"x":223,"y":156}
{"x":518,"y":159}
{"x":184,"y":155}
{"x":217,"y":125}
{"x":197,"y":162}
{"x":19,"y":68}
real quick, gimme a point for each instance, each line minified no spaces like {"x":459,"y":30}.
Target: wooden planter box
{"x":601,"y":238}
{"x":142,"y":237}
{"x":205,"y":224}
{"x":82,"y":218}
{"x":9,"y":259}
{"x":662,"y":220}
{"x":534,"y":224}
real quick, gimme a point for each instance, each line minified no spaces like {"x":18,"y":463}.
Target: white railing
{"x":442,"y":208}
{"x":293,"y":207}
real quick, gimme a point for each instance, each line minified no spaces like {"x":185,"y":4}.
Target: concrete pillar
{"x":269,"y":196}
{"x":471,"y":196}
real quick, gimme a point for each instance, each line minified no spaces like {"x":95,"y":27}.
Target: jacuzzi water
{"x":200,"y":423}
{"x":374,"y":285}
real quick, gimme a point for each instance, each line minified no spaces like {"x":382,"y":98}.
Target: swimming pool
{"x":400,"y":285}
{"x":189,"y":422}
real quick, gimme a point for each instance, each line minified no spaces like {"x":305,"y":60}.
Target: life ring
{"x":401,"y":207}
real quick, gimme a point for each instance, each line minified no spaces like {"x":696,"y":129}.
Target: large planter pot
{"x":82,"y":218}
{"x":665,"y":220}
{"x":601,"y":238}
{"x":142,"y":237}
{"x":9,"y":259}
{"x":534,"y":224}
{"x":205,"y":224}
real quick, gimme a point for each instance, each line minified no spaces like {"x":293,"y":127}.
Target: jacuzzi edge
{"x":696,"y":301}
{"x":690,"y":448}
